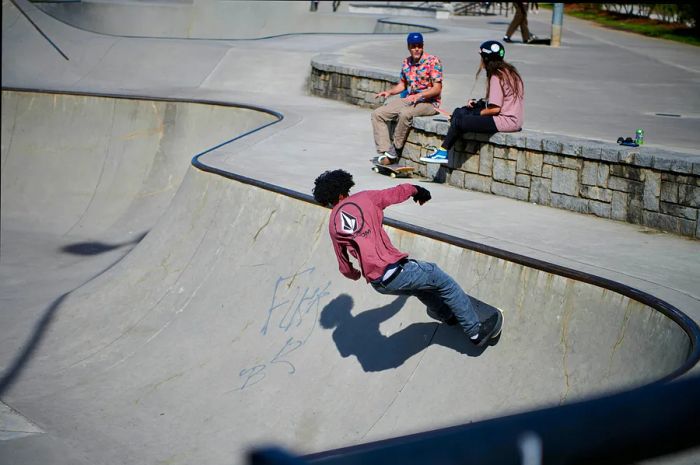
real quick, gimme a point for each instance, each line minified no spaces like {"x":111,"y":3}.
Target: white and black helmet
{"x":492,"y":50}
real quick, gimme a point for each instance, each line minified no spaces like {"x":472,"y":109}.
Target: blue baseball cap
{"x":414,"y":38}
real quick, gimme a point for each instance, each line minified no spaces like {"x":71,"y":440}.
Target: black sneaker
{"x":507,"y":40}
{"x":449,"y":321}
{"x":490,"y":329}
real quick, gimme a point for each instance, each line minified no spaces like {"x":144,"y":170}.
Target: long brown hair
{"x":505,"y":72}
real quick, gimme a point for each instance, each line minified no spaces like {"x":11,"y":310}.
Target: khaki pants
{"x":520,"y":19}
{"x":402,"y":112}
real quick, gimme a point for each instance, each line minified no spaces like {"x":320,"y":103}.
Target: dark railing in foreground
{"x":623,"y":428}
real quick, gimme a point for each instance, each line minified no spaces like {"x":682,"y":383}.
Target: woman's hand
{"x":491,"y":110}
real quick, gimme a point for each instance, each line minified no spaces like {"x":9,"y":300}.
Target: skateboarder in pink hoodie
{"x":356,"y":230}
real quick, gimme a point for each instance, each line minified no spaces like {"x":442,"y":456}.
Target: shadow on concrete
{"x":10,"y":375}
{"x":96,"y":248}
{"x":360,"y":335}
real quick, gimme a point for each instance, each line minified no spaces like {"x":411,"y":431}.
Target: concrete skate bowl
{"x":228,"y":324}
{"x":215,"y":20}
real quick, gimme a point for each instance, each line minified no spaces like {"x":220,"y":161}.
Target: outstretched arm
{"x":397,"y":89}
{"x":398,"y":194}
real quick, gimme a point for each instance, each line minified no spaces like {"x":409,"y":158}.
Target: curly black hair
{"x":330,"y":185}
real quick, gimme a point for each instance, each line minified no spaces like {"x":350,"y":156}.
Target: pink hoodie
{"x":511,"y":117}
{"x":356,"y":228}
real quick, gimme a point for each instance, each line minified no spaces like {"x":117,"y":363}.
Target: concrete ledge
{"x":641,"y":185}
{"x":438,"y":11}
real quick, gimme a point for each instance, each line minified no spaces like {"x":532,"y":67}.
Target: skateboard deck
{"x":482,"y":310}
{"x":395,"y":170}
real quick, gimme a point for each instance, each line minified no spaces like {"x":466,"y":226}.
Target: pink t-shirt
{"x":511,"y":117}
{"x":356,"y":229}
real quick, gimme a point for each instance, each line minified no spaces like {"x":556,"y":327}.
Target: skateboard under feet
{"x":394,"y":170}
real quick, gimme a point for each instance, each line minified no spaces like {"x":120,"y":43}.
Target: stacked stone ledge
{"x":347,"y":84}
{"x":646,"y":186}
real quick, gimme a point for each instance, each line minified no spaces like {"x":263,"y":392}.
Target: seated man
{"x":420,"y":86}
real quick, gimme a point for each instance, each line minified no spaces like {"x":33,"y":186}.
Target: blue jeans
{"x":437,"y":290}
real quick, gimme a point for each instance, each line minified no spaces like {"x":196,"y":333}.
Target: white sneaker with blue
{"x":438,"y":155}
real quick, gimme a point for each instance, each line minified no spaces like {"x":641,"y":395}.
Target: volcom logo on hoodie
{"x":349,"y":220}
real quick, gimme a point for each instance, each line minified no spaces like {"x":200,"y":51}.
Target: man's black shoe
{"x":449,"y":321}
{"x":490,"y":328}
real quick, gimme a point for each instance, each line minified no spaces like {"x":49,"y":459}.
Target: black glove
{"x":422,"y":195}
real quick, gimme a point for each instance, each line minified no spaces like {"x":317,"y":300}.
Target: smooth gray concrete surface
{"x":228,"y":325}
{"x":207,"y":19}
{"x":600,"y":84}
{"x":145,"y":347}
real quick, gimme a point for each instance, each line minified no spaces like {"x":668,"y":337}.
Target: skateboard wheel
{"x":392,"y":175}
{"x":375,"y":169}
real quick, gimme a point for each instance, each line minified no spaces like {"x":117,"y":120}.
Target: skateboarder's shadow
{"x":359,"y":335}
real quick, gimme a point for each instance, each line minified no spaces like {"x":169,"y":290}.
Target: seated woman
{"x":503,"y":109}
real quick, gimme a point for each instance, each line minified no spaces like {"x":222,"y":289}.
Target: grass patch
{"x":635,"y":24}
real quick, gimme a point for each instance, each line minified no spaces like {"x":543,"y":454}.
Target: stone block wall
{"x":652,"y":187}
{"x":332,"y":80}
{"x":661,"y":193}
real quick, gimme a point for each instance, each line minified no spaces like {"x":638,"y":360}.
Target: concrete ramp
{"x":228,"y":324}
{"x":216,"y":20}
{"x":79,"y":163}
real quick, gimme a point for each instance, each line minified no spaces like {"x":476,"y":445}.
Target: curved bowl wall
{"x":229,"y":325}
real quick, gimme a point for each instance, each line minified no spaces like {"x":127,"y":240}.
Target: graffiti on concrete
{"x":291,"y":319}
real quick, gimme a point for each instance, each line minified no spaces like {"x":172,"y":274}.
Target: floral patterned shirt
{"x":422,"y":75}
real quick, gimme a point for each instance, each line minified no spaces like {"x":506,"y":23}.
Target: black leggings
{"x":463,"y":121}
